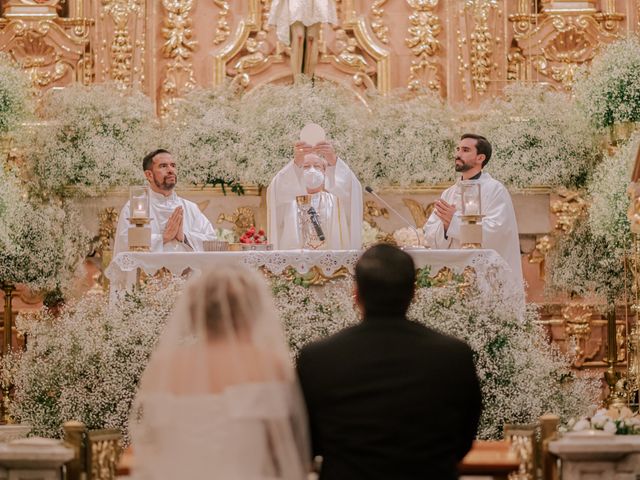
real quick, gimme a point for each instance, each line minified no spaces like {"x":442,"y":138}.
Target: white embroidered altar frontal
{"x":492,"y":272}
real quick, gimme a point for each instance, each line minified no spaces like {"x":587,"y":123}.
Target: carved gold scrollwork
{"x":372,"y":211}
{"x":126,"y":16}
{"x":418,"y":212}
{"x":242,"y":219}
{"x":222,"y":28}
{"x":424,"y":28}
{"x":556,"y":42}
{"x":482,"y":40}
{"x":178,"y":48}
{"x":50,"y":50}
{"x":377,"y":22}
{"x":249,"y":51}
{"x":577,"y":324}
{"x":568,"y":208}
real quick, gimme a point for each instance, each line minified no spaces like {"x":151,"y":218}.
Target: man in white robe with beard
{"x":336,"y":195}
{"x":177,"y":225}
{"x":499,"y":227}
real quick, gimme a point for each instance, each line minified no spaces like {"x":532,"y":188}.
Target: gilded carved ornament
{"x":222,"y":27}
{"x":178,"y":48}
{"x":480,"y":45}
{"x":556,"y":42}
{"x":377,"y":22}
{"x":52,"y":50}
{"x":424,"y":28}
{"x":126,"y":16}
{"x":242,"y":218}
{"x":568,"y":208}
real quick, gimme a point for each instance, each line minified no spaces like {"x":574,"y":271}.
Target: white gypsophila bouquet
{"x":407,"y":141}
{"x":538,"y":137}
{"x":309,"y":314}
{"x":608,"y":90}
{"x":42,"y":245}
{"x":85,"y":364}
{"x":14,"y":95}
{"x":612,"y":420}
{"x":582,"y":263}
{"x":609,"y":200}
{"x":272,"y":116}
{"x":204,"y":136}
{"x":370,"y":234}
{"x":590,"y":258}
{"x":94,"y":138}
{"x":522,"y":377}
{"x":406,"y":237}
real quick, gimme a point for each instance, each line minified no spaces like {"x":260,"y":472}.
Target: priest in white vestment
{"x":336,"y":195}
{"x":177,"y":225}
{"x":499,"y":227}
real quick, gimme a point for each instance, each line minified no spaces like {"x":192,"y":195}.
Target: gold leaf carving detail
{"x":481,"y":43}
{"x":424,"y":28}
{"x":222,"y":28}
{"x":178,"y":47}
{"x":377,"y":23}
{"x":121,"y":49}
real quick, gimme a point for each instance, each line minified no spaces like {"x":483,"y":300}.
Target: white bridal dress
{"x":219,"y":398}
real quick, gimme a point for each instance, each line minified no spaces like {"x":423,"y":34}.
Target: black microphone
{"x":315,"y":220}
{"x":370,"y":190}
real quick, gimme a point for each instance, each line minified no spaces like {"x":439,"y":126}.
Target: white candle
{"x":138,"y":209}
{"x":471,"y":207}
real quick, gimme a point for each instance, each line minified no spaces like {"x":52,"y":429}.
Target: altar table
{"x":493,"y":274}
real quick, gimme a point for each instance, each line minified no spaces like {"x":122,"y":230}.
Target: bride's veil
{"x":221,"y":367}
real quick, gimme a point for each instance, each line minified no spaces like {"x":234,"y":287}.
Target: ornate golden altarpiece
{"x":466,"y":50}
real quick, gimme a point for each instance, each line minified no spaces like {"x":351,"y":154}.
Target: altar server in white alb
{"x":336,"y":195}
{"x":177,"y":225}
{"x":499,"y":227}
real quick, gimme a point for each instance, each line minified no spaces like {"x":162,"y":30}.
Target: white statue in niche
{"x":298,"y":24}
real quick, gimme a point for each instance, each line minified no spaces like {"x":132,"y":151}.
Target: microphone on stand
{"x":315,"y":220}
{"x":409,"y":224}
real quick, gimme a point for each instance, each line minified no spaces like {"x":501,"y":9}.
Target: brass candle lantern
{"x":471,"y":214}
{"x":139,"y":213}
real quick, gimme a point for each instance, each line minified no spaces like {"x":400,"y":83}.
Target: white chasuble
{"x":499,"y":227}
{"x":285,"y":13}
{"x":339,"y":207}
{"x":196,"y":227}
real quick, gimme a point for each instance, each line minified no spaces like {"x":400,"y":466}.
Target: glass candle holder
{"x":139,"y":202}
{"x":471,"y":199}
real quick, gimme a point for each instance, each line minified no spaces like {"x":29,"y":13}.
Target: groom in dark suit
{"x":389,"y":398}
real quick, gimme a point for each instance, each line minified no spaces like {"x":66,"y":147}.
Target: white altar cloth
{"x":492,"y":272}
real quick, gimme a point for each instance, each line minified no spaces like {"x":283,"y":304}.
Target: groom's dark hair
{"x":385,"y":279}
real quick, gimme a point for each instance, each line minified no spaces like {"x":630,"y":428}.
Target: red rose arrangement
{"x":251,"y":236}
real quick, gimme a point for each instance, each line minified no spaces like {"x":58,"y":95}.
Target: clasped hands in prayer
{"x":174,"y":229}
{"x":444,"y":211}
{"x":324,"y":149}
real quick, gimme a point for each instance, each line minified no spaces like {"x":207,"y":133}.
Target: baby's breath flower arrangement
{"x":589,"y":259}
{"x":272,"y":116}
{"x":204,"y":136}
{"x":539,"y":138}
{"x":608,"y":90}
{"x":86,"y":363}
{"x":41,"y":244}
{"x":407,"y":141}
{"x":14,"y":95}
{"x":94,"y":138}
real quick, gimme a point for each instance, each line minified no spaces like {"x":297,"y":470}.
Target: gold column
{"x":424,"y":28}
{"x":8,"y":290}
{"x":178,"y":48}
